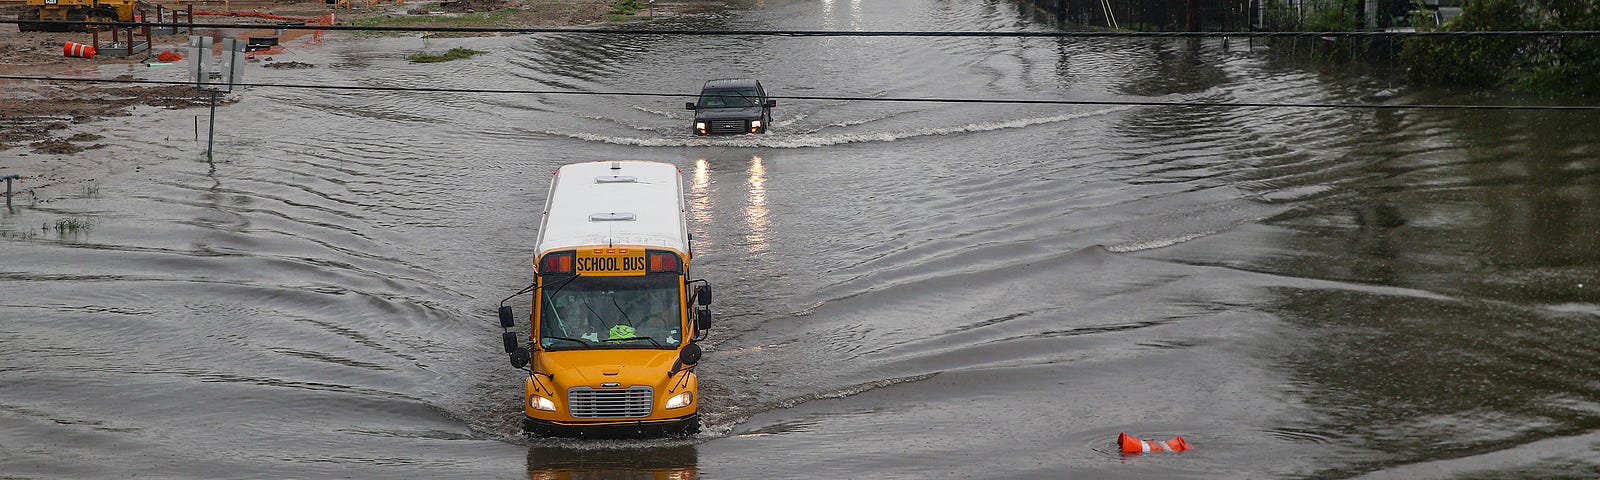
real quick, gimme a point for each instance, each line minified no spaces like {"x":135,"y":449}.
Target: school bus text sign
{"x":611,"y":262}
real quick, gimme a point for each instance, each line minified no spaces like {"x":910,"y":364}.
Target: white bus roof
{"x":615,"y":202}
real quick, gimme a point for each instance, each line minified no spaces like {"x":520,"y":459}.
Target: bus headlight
{"x":680,"y":400}
{"x":540,"y":403}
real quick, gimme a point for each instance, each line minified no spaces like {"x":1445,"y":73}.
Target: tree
{"x":1546,"y":65}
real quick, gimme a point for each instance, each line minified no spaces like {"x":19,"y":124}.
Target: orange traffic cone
{"x":72,"y":49}
{"x":1131,"y":444}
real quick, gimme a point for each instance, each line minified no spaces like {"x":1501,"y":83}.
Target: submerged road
{"x":904,"y":290}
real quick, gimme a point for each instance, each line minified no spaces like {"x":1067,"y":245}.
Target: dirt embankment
{"x":36,"y":116}
{"x":31,"y":111}
{"x":29,"y":114}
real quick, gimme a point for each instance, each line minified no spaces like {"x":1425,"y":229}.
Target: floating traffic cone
{"x":1131,"y":444}
{"x":72,"y":49}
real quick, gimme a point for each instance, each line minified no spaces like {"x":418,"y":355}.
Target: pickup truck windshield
{"x":593,"y":312}
{"x":730,"y":98}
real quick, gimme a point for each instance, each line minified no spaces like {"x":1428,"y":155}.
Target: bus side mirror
{"x":688,"y":105}
{"x":689,"y":356}
{"x":702,"y":319}
{"x":702,"y":295}
{"x":519,"y":358}
{"x":702,"y":323}
{"x":510,"y":339}
{"x":507,"y":320}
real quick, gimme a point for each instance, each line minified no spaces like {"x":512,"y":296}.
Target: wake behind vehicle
{"x":614,"y":320}
{"x":732,"y":106}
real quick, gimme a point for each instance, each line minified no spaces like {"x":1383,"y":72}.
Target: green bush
{"x":626,"y":7}
{"x":1533,"y":64}
{"x":1332,"y":16}
{"x":1280,"y":18}
{"x":1318,"y":16}
{"x":454,"y":54}
{"x":71,"y":225}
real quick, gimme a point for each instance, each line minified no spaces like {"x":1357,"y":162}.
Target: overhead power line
{"x":1145,"y":103}
{"x":825,"y":33}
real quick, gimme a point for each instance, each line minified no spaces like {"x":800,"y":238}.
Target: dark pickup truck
{"x":730,"y":106}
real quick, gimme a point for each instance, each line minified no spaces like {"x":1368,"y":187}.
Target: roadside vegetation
{"x":71,"y":225}
{"x":507,"y":13}
{"x":1317,"y":16}
{"x":626,"y":11}
{"x":1531,"y":64}
{"x":469,"y":19}
{"x":1544,"y":65}
{"x":457,"y":53}
{"x":486,"y":13}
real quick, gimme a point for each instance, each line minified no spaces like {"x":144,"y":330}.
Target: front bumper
{"x":681,"y":426}
{"x":729,"y":126}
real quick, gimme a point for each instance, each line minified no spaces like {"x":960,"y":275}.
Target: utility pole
{"x":1191,"y":12}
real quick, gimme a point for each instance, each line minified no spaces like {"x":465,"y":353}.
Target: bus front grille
{"x":585,"y":402}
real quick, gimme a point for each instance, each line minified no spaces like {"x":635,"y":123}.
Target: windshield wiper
{"x":579,"y":340}
{"x":564,"y":283}
{"x":624,"y":313}
{"x":652,"y":340}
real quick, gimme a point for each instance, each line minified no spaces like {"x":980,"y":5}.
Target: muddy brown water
{"x":903,"y":290}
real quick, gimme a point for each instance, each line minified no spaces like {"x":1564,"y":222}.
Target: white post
{"x":231,"y":71}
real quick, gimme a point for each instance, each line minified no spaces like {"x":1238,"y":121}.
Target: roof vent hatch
{"x":612,"y":217}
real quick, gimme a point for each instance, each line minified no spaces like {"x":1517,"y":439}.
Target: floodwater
{"x":904,"y":290}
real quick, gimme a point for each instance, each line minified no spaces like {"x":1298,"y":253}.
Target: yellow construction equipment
{"x":75,"y":11}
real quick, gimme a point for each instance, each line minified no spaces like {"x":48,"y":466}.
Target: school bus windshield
{"x":591,"y":312}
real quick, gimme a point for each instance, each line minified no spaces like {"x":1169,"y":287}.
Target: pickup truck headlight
{"x":540,"y":403}
{"x":755,"y":124}
{"x":680,"y":400}
{"x":699,"y":125}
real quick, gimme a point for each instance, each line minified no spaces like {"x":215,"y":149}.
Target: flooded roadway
{"x":904,"y":290}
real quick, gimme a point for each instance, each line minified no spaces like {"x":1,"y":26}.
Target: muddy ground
{"x":35,"y":116}
{"x":37,"y":140}
{"x":31,"y":111}
{"x":29,"y":114}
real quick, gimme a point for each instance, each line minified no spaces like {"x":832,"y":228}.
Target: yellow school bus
{"x":615,"y":314}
